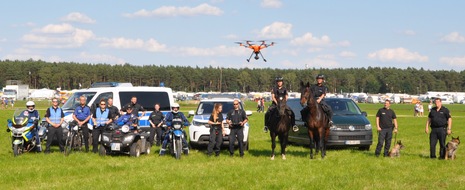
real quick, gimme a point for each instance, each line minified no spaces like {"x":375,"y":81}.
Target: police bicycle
{"x":74,"y":139}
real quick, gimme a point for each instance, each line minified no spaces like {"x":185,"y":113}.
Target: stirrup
{"x":295,"y":128}
{"x":265,"y":129}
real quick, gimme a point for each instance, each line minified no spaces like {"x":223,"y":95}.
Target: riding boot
{"x":162,"y":152}
{"x":267,"y":117}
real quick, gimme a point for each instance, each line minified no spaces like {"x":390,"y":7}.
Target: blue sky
{"x":320,"y":34}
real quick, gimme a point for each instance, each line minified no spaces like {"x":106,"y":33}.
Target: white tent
{"x":42,"y":94}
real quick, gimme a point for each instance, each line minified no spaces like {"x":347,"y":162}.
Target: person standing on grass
{"x":440,"y":121}
{"x":81,"y":116}
{"x":54,"y":117}
{"x":156,"y":121}
{"x":386,"y":123}
{"x":236,"y":119}
{"x":216,"y":130}
{"x":101,"y":118}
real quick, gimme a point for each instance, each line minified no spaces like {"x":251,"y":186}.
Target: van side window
{"x":104,"y":96}
{"x":147,"y":99}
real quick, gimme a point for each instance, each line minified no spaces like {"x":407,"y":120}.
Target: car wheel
{"x":135,"y":150}
{"x":193,"y":145}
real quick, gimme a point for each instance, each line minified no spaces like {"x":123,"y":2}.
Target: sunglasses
{"x":102,"y":104}
{"x":236,"y":104}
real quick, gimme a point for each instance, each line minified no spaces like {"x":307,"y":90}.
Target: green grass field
{"x":341,"y":169}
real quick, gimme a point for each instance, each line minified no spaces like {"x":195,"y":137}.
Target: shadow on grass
{"x":267,"y":153}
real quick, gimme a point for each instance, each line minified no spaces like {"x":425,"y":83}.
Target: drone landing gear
{"x":262,"y":56}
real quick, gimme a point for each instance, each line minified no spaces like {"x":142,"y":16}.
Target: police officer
{"x":386,"y":122}
{"x":54,"y":117}
{"x":278,"y":94}
{"x":236,"y":118}
{"x":81,"y":117}
{"x":135,"y":107}
{"x":156,"y":121}
{"x":170,"y":116}
{"x":33,"y":114}
{"x":101,"y":118}
{"x":114,"y":111}
{"x":319,"y":93}
{"x":129,"y":119}
{"x":440,"y":121}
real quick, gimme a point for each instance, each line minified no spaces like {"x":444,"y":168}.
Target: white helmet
{"x":31,"y":103}
{"x":175,"y":105}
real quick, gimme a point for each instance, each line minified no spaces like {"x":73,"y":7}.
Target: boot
{"x":162,"y":152}
{"x":265,"y":129}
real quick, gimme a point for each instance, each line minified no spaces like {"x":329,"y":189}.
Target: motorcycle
{"x":23,"y":137}
{"x":176,"y":138}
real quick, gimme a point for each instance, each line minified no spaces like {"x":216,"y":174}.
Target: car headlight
{"x":368,"y":126}
{"x":105,"y":138}
{"x":125,"y":128}
{"x":128,"y":139}
{"x":333,"y":128}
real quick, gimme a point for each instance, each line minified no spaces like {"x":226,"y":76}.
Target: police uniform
{"x":280,"y":94}
{"x":101,"y":117}
{"x":236,"y":130}
{"x":386,"y":116}
{"x":128,"y":119}
{"x":55,"y":115}
{"x":156,"y":117}
{"x":439,"y":120}
{"x":317,"y":91}
{"x":34,"y":115}
{"x":216,"y":135}
{"x":114,"y":112}
{"x":135,"y":108}
{"x":81,"y":113}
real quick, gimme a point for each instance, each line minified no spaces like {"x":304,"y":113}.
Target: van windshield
{"x":147,"y":99}
{"x":73,"y":101}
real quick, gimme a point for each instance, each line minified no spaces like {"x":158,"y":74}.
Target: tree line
{"x":69,"y":75}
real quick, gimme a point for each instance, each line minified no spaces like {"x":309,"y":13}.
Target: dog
{"x":451,"y":148}
{"x":395,"y":152}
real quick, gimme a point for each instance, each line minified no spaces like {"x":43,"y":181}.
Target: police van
{"x":121,"y":94}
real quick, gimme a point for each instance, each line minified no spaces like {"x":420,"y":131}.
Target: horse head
{"x":305,"y":92}
{"x":282,"y":107}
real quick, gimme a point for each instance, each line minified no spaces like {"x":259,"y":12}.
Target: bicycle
{"x":73,"y":139}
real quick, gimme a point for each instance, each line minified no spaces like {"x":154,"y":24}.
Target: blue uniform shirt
{"x":82,"y":113}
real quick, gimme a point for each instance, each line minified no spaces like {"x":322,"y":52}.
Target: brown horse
{"x":280,"y":126}
{"x":315,"y":119}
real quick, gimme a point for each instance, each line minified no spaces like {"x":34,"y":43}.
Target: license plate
{"x":116,"y":146}
{"x":352,"y":142}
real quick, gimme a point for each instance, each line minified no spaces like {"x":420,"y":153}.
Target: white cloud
{"x":322,"y":61}
{"x":453,"y":61}
{"x":409,"y":32}
{"x":347,"y":54}
{"x":231,"y":36}
{"x":172,"y":11}
{"x":271,"y":3}
{"x":57,"y":36}
{"x":22,"y":54}
{"x":78,"y":17}
{"x":3,"y":40}
{"x":276,"y":30}
{"x":309,"y":39}
{"x":453,"y":37}
{"x":397,"y":55}
{"x":100,"y":58}
{"x":215,"y":51}
{"x":122,"y":43}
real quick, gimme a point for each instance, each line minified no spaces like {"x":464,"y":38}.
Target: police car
{"x":121,"y":94}
{"x":199,"y":130}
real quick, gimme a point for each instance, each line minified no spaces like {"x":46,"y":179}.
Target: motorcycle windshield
{"x":20,"y":117}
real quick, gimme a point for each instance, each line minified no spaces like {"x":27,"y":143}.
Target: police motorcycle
{"x":22,"y":131}
{"x":118,"y":138}
{"x":176,"y":137}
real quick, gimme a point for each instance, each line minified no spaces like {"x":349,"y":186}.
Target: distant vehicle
{"x":199,"y":130}
{"x":351,"y":127}
{"x":16,"y":92}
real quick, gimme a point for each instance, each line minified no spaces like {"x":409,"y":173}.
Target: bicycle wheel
{"x":69,"y":143}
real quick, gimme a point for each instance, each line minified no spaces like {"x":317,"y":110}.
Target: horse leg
{"x":316,"y":140}
{"x":273,"y":143}
{"x":322,"y":144}
{"x":283,"y":142}
{"x":312,"y":143}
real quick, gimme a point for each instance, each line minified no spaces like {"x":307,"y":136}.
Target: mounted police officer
{"x":319,"y":93}
{"x":278,"y":94}
{"x":101,"y":118}
{"x":81,"y":116}
{"x":54,"y":117}
{"x":170,"y":116}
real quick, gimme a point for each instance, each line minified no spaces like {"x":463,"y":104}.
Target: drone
{"x":256,"y":48}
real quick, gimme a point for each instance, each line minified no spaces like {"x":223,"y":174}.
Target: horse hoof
{"x":284,"y":157}
{"x":272,"y":157}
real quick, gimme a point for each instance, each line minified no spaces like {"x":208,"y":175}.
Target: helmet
{"x":175,"y":105}
{"x":320,"y":76}
{"x":278,"y":79}
{"x":31,"y":103}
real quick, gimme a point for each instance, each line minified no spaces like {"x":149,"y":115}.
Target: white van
{"x":146,"y":96}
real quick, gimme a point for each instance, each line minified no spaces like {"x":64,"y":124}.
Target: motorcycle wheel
{"x":16,"y":150}
{"x":178,"y":145}
{"x":135,"y":150}
{"x":69,"y":144}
